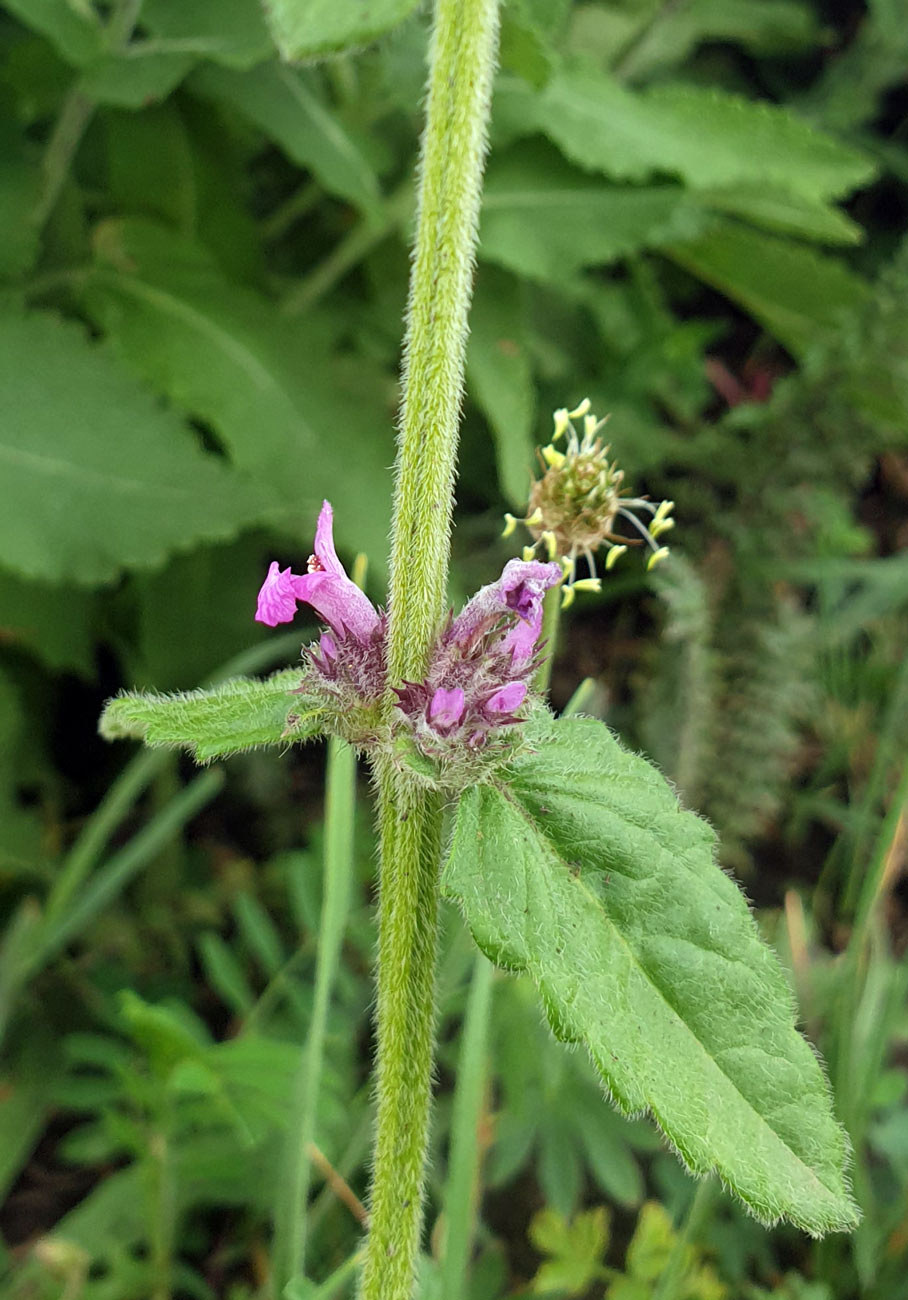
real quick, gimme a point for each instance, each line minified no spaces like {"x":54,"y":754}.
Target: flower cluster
{"x":574,"y":507}
{"x":479,"y":669}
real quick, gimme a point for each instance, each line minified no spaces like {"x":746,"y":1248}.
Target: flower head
{"x":574,"y":508}
{"x":477,"y":678}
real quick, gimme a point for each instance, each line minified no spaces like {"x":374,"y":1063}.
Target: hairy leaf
{"x":268,"y":386}
{"x":237,"y":715}
{"x":97,"y":474}
{"x":706,"y":136}
{"x":305,"y":28}
{"x":581,"y":869}
{"x":500,"y":376}
{"x":135,"y":77}
{"x":285,"y":104}
{"x":232,"y":32}
{"x":546,"y":220}
{"x":779,"y":209}
{"x":799,"y":295}
{"x":72,"y":33}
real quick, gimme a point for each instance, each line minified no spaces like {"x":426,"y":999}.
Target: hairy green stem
{"x":551,"y":622}
{"x":461,"y":63}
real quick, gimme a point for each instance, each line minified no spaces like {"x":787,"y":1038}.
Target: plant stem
{"x":697,"y":1216}
{"x":291,"y":1218}
{"x":461,"y":63}
{"x":551,"y":622}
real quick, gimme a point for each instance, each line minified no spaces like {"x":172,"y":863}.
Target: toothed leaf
{"x":237,"y":715}
{"x":579,"y":867}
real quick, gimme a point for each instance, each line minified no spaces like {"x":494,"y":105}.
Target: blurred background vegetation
{"x":695,"y":215}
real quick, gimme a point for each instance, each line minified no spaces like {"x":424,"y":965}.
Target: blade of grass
{"x":461,"y":1193}
{"x":290,"y":1212}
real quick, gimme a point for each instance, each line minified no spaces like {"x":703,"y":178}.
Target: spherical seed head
{"x":577,"y":499}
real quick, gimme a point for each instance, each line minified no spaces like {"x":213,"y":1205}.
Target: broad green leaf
{"x":546,"y":220}
{"x":97,"y":475}
{"x":303,"y":29}
{"x":20,"y":187}
{"x":578,"y":866}
{"x":797,"y":294}
{"x":237,"y":715}
{"x":232,"y":32}
{"x":285,"y":104}
{"x":270,"y":387}
{"x":706,"y":136}
{"x":759,"y":26}
{"x":137,"y":76}
{"x":781,"y":210}
{"x":72,"y":33}
{"x":500,"y":377}
{"x":31,"y":619}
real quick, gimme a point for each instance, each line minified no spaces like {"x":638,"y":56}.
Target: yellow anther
{"x":580,"y":410}
{"x":655,"y":558}
{"x":588,"y":584}
{"x":510,"y":523}
{"x":567,"y":597}
{"x":663,"y":511}
{"x":553,"y":457}
{"x":562,"y":423}
{"x":360,"y":568}
{"x":661,"y":526}
{"x":614,"y":555}
{"x":535,"y":519}
{"x":529,"y":553}
{"x":551,"y":545}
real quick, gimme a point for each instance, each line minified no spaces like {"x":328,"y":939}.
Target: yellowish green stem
{"x":461,"y":63}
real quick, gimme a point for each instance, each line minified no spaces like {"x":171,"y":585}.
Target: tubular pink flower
{"x":519,"y":590}
{"x":446,"y":709}
{"x":506,"y":700}
{"x":325,"y":587}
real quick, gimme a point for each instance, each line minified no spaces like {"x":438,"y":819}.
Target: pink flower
{"x":519,"y":590}
{"x":326,"y":587}
{"x":446,"y":709}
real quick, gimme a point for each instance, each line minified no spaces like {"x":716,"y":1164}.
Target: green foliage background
{"x":694,"y":215}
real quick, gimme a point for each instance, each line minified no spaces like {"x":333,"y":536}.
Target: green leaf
{"x":759,"y":26}
{"x":134,"y":77}
{"x":576,"y":1248}
{"x":797,"y":294}
{"x":232,"y":32}
{"x":581,"y":869}
{"x":303,"y":29}
{"x":20,"y":188}
{"x":500,"y":376}
{"x":98,"y":475}
{"x":72,"y":33}
{"x":706,"y":136}
{"x":237,"y":715}
{"x":779,"y":209}
{"x":546,"y":220}
{"x":287,"y":105}
{"x":30,"y":617}
{"x":270,"y":387}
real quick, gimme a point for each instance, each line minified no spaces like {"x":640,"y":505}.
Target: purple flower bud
{"x":519,"y":591}
{"x":446,"y":709}
{"x":506,"y":700}
{"x":325,"y":587}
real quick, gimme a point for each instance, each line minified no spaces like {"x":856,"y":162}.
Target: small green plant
{"x":569,"y":857}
